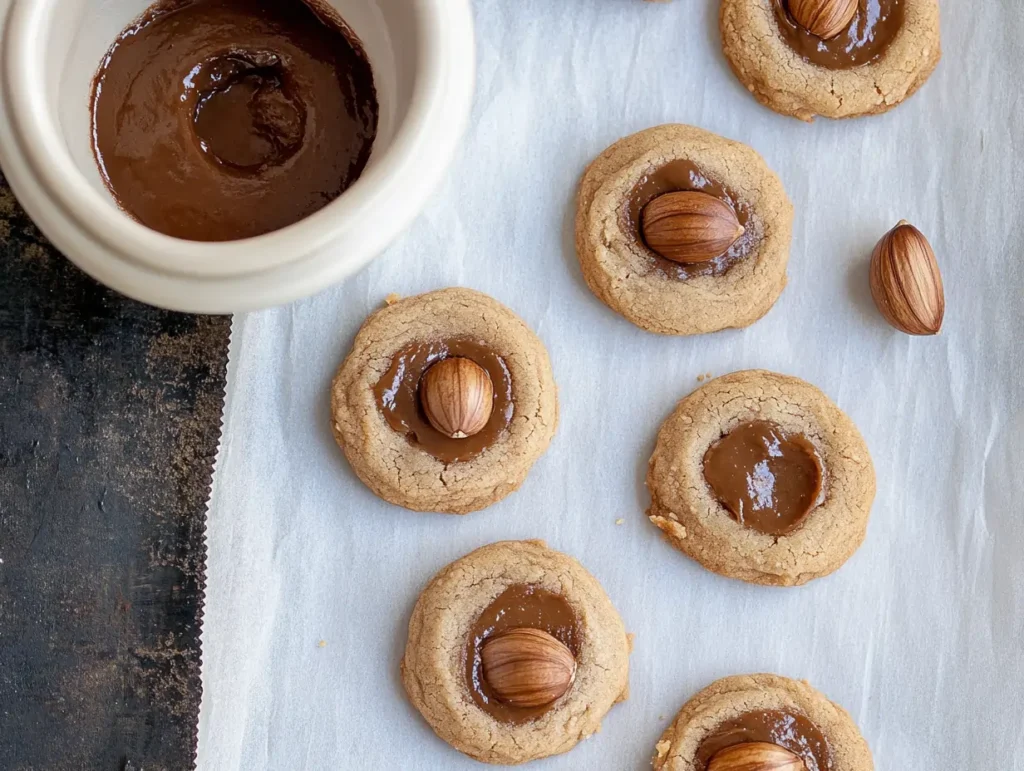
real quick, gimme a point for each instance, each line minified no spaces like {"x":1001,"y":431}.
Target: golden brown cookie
{"x":379,"y":422}
{"x":479,"y":705}
{"x":802,"y":481}
{"x":885,"y":54}
{"x":735,"y":717}
{"x":661,"y":295}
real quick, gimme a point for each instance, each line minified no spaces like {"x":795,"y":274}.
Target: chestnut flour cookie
{"x":759,"y":476}
{"x":515,"y":653}
{"x":683,"y":232}
{"x":866,"y":65}
{"x":444,"y":402}
{"x":753,"y":722}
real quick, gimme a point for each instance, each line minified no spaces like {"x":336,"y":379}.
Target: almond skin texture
{"x":457,"y":397}
{"x":689,"y":226}
{"x":756,"y":756}
{"x":823,"y":18}
{"x":527,"y":667}
{"x":906,"y":283}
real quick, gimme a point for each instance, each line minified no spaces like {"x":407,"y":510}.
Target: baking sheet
{"x":920,"y":635}
{"x":109,"y":422}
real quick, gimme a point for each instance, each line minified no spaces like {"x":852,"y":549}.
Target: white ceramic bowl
{"x":422,"y":54}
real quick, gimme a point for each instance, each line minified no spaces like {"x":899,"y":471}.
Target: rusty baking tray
{"x":109,"y":423}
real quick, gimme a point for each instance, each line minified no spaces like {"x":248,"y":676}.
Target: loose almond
{"x":689,"y":226}
{"x":823,"y":18}
{"x":906,"y":283}
{"x":457,"y":397}
{"x":527,"y":667}
{"x":756,"y":756}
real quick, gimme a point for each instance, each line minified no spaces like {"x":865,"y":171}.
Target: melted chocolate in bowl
{"x":790,"y":731}
{"x":216,"y":120}
{"x":867,"y":37}
{"x":398,"y":398}
{"x":519,"y":606}
{"x":679,"y":176}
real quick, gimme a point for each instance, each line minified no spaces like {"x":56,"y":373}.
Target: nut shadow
{"x":859,"y":290}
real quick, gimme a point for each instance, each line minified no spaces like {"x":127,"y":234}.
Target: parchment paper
{"x":920,"y":635}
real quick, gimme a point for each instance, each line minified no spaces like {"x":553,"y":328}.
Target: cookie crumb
{"x":700,"y":378}
{"x":708,"y":376}
{"x":322,"y":644}
{"x":392,"y":298}
{"x":619,"y":521}
{"x":661,"y":717}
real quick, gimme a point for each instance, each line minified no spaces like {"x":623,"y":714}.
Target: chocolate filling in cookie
{"x":867,"y":37}
{"x":398,"y":396}
{"x":519,"y":607}
{"x":767,"y":479}
{"x":681,"y":176}
{"x":792,"y":732}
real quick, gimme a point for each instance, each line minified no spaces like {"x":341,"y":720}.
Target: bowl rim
{"x":35,"y":130}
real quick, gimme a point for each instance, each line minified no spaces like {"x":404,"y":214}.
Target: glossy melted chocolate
{"x":789,"y":731}
{"x":519,"y":606}
{"x":868,"y":37}
{"x":216,"y":120}
{"x":677,"y":176}
{"x":767,"y":479}
{"x":398,"y":397}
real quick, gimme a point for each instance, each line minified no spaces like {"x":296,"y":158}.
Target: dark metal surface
{"x":109,"y":421}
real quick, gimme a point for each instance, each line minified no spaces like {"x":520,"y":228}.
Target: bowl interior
{"x":76,"y":34}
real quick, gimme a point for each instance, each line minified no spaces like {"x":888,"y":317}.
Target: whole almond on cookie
{"x":906,"y":283}
{"x":755,"y":756}
{"x":527,"y":667}
{"x":457,"y":397}
{"x":823,"y":18}
{"x":689,"y":226}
